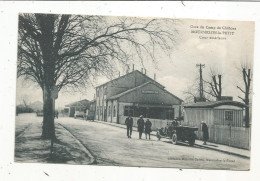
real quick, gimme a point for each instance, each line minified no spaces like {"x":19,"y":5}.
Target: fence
{"x":222,"y":134}
{"x":228,"y":135}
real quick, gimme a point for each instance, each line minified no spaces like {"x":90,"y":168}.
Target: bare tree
{"x":191,"y":91}
{"x":214,"y":85}
{"x":212,"y":90}
{"x":24,"y":101}
{"x":247,"y":78}
{"x":66,"y":50}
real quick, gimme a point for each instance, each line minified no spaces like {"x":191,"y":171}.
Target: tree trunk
{"x":247,"y":108}
{"x":48,"y":129}
{"x":247,"y":117}
{"x":46,"y":23}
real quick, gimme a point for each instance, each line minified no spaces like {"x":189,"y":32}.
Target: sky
{"x":179,"y":71}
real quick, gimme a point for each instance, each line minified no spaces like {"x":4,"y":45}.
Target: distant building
{"x":137,"y":94}
{"x":78,"y":108}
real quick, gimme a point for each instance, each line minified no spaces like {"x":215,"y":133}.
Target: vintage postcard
{"x":134,"y":92}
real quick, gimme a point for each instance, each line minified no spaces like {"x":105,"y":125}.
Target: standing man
{"x":140,"y":126}
{"x":148,"y":128}
{"x":129,"y":125}
{"x":205,"y":132}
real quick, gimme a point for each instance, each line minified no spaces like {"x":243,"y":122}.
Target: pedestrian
{"x":148,"y":128}
{"x":56,"y":114}
{"x":205,"y":132}
{"x":129,"y":125}
{"x":140,"y":126}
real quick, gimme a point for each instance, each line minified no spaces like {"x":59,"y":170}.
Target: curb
{"x":223,"y":151}
{"x":84,"y":148}
{"x":23,"y":131}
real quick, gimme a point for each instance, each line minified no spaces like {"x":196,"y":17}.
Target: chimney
{"x":145,"y":71}
{"x":154,"y":77}
{"x":133,"y":67}
{"x":119,"y":74}
{"x":142,"y":70}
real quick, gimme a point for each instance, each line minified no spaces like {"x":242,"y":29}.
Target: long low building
{"x":137,"y":94}
{"x":225,"y":120}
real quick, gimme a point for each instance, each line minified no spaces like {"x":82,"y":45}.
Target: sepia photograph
{"x":134,"y":91}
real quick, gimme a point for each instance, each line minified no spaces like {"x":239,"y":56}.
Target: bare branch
{"x":241,"y":89}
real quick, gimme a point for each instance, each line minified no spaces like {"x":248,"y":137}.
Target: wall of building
{"x":219,"y":117}
{"x":127,"y":82}
{"x":109,"y":111}
{"x":91,"y":111}
{"x":156,"y":123}
{"x":112,"y":111}
{"x":219,"y":129}
{"x":212,"y":116}
{"x":123,"y":83}
{"x":150,"y":94}
{"x":101,"y":102}
{"x":194,"y":116}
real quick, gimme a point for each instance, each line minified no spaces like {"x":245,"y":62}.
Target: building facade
{"x":136,"y":94}
{"x":225,"y":121}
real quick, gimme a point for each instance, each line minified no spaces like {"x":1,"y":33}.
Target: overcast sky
{"x":179,"y":71}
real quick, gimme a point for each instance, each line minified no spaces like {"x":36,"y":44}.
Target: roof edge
{"x":129,"y":74}
{"x":128,"y":91}
{"x":216,"y":104}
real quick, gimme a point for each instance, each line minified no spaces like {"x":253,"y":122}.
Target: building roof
{"x":92,"y":101}
{"x":138,"y":87}
{"x":212,"y":104}
{"x":81,"y":103}
{"x":128,"y":91}
{"x":130,"y":74}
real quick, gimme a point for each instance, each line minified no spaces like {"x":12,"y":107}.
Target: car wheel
{"x":174,"y":139}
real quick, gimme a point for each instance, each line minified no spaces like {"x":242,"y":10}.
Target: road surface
{"x":109,"y":145}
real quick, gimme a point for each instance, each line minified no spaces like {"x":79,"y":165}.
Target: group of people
{"x":146,"y":127}
{"x":142,"y":126}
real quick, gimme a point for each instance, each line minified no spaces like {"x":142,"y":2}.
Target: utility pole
{"x":201,"y":80}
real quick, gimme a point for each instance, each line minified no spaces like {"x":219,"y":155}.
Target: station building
{"x":137,"y":94}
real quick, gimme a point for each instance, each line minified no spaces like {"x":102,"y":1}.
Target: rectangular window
{"x":229,"y":115}
{"x":97,"y":111}
{"x":114,"y":111}
{"x":105,"y":91}
{"x":109,"y":110}
{"x":129,"y":110}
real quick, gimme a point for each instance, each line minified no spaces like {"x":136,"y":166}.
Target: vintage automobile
{"x":177,"y":133}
